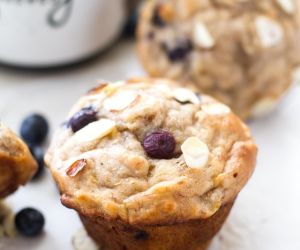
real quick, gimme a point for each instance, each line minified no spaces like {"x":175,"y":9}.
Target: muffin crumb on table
{"x":7,"y":224}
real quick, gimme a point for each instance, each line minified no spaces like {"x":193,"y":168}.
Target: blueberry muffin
{"x":243,"y":53}
{"x":150,"y":165}
{"x":17,"y":165}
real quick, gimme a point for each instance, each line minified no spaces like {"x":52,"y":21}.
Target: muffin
{"x":243,"y":53}
{"x":150,"y":165}
{"x":16,"y":163}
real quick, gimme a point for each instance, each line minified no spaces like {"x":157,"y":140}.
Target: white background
{"x":266,"y":215}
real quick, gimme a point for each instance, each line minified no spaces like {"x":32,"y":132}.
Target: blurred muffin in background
{"x":17,"y":165}
{"x":243,"y":53}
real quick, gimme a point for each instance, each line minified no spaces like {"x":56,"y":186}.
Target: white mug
{"x":43,"y":33}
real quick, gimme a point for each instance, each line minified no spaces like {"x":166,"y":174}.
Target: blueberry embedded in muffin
{"x":159,"y":145}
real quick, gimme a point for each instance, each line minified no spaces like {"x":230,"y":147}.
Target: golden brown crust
{"x":17,"y":165}
{"x":190,"y":235}
{"x":242,"y":157}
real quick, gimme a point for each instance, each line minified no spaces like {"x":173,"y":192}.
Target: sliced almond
{"x":111,"y":88}
{"x":202,"y":37}
{"x":287,"y":5}
{"x":195,"y":152}
{"x":98,"y":88}
{"x":263,"y":107}
{"x":216,"y":109}
{"x":185,"y":95}
{"x":95,"y":130}
{"x":76,"y":167}
{"x":82,"y":241}
{"x":269,"y":32}
{"x":121,"y":101}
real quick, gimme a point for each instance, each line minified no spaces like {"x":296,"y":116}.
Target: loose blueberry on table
{"x":34,"y":129}
{"x":29,"y":222}
{"x":159,"y":145}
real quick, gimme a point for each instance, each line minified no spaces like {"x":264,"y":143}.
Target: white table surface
{"x":266,"y":215}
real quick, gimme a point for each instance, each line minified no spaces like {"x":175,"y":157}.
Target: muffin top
{"x":16,"y":163}
{"x":241,"y":52}
{"x":147,"y":151}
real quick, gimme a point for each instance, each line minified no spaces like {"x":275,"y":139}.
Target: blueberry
{"x":29,"y":222}
{"x":130,"y":27}
{"x":34,"y":129}
{"x":156,"y":19}
{"x":159,"y":145}
{"x":83,"y":118}
{"x":38,"y":154}
{"x":180,"y":52}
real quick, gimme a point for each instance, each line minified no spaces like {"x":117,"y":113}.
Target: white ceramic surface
{"x":52,"y":32}
{"x":266,"y":215}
